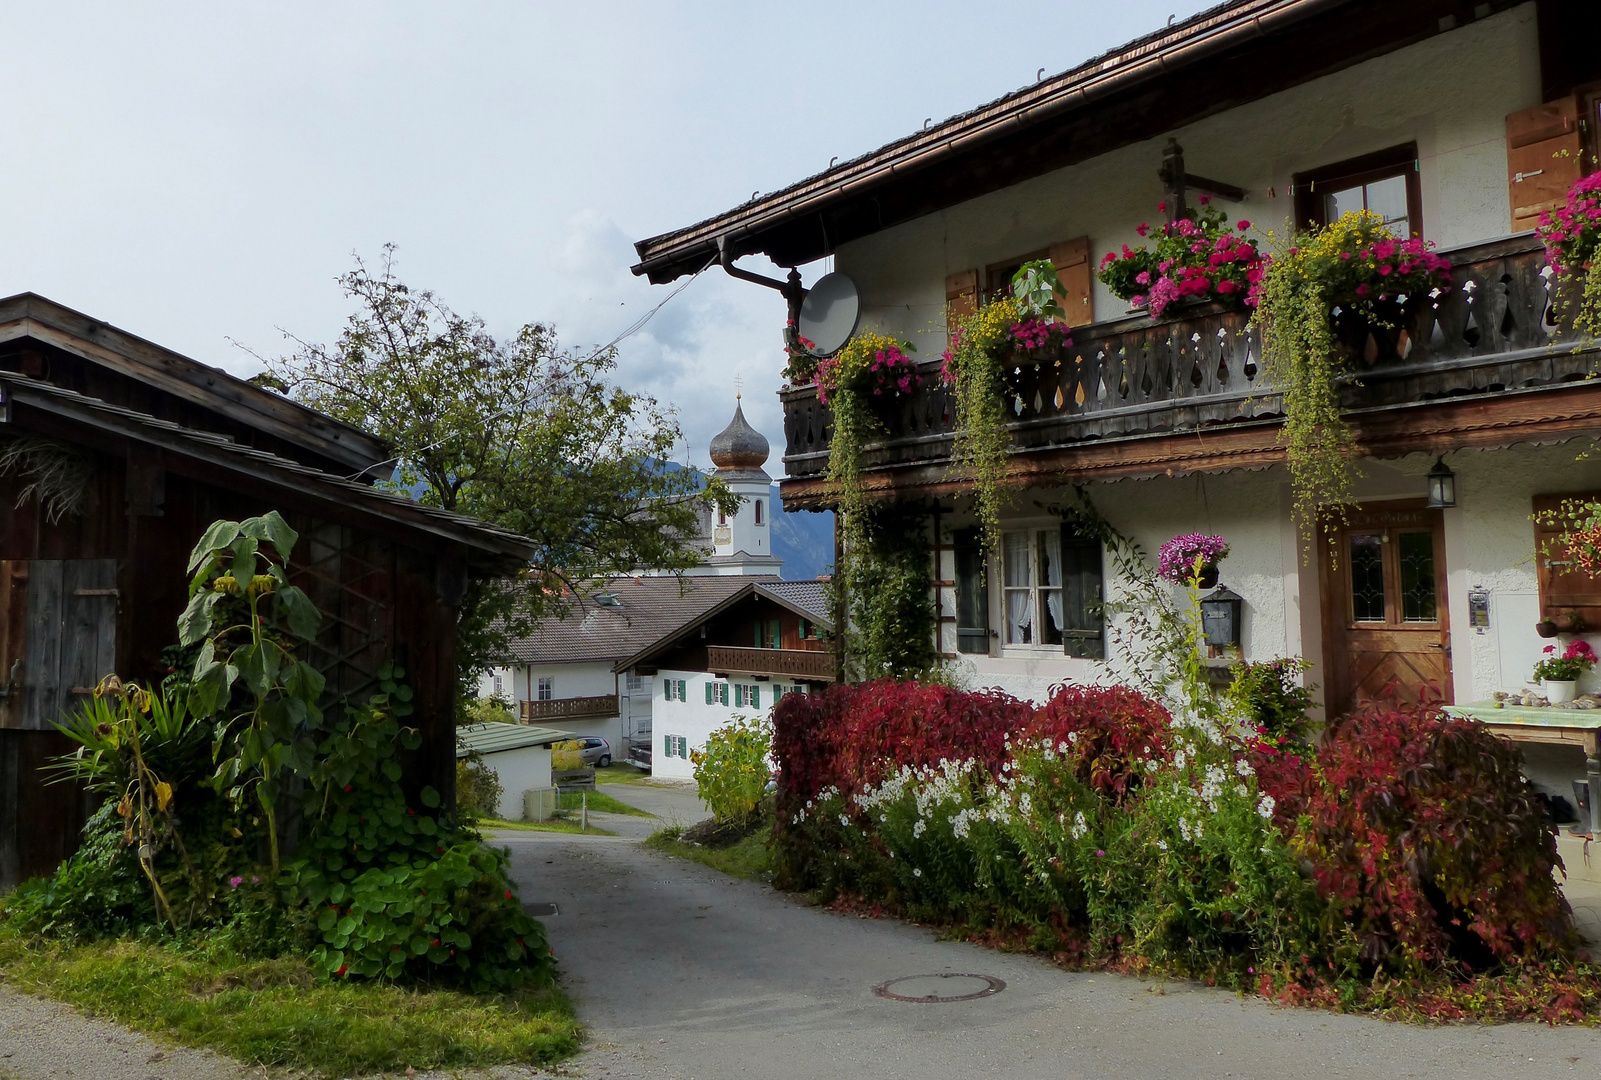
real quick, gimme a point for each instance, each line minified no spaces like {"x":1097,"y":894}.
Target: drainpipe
{"x":793,"y":292}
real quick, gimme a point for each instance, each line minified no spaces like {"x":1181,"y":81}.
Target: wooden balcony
{"x":1141,"y":397}
{"x":575,"y":708}
{"x":815,"y":665}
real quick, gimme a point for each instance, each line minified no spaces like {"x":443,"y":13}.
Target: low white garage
{"x":518,"y":754}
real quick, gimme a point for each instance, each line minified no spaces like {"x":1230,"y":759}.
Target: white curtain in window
{"x":1019,"y":616}
{"x":1051,"y":562}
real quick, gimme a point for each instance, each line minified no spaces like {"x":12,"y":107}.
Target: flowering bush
{"x":1099,"y":827}
{"x":1106,"y":733}
{"x":1572,"y":237}
{"x":1575,"y":660}
{"x":1580,"y":539}
{"x":1201,"y":259}
{"x":1429,"y":844}
{"x":1185,"y":557}
{"x":870,"y":364}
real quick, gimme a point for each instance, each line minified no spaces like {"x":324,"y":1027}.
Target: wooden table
{"x":1563,"y":727}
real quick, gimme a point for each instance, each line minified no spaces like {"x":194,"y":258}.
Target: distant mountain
{"x":803,"y":539}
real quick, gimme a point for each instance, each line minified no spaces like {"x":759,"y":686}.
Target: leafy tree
{"x":519,"y":432}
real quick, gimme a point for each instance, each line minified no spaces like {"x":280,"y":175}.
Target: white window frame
{"x":545,"y":688}
{"x":1037,"y":591}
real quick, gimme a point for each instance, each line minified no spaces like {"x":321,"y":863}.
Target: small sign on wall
{"x":1479,"y":610}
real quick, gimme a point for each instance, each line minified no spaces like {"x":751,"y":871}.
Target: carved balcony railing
{"x":1497,"y":328}
{"x":798,"y":663}
{"x":573,"y":708}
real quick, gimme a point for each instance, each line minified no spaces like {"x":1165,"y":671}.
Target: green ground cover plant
{"x":186,"y":870}
{"x":747,"y":858}
{"x":278,"y":1013}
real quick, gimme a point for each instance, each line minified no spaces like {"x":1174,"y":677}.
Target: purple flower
{"x":235,"y":882}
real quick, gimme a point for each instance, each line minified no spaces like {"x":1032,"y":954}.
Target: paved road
{"x":729,"y":979}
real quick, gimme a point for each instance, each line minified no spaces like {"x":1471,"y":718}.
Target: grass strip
{"x":617,"y":773}
{"x":746,"y":859}
{"x":275,"y":1013}
{"x":554,"y":825}
{"x":599,"y":800}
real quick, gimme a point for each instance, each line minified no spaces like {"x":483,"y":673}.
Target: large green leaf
{"x":254,"y":666}
{"x":244,"y":560}
{"x":271,"y":526}
{"x":195,"y":622}
{"x":300,"y":613}
{"x":220,"y":535}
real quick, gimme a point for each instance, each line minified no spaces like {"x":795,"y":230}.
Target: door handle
{"x":1443,"y":648}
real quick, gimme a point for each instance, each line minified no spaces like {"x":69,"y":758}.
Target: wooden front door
{"x":1386,"y":627}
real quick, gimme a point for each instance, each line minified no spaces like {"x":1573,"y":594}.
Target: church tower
{"x":742,"y":542}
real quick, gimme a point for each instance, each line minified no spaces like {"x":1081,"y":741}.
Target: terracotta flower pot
{"x":1546,"y":628}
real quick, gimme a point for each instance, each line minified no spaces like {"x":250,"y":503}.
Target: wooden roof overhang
{"x":49,"y":410}
{"x":1489,"y":421}
{"x":28,"y":315}
{"x":1222,"y":58}
{"x":677,"y":635}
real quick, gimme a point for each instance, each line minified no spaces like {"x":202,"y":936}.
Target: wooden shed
{"x":160,"y":446}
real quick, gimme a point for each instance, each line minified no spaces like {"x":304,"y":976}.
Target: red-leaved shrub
{"x":1110,"y":732}
{"x":852,"y":734}
{"x":1425,"y":834}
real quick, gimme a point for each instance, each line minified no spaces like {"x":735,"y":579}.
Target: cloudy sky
{"x":200,"y":172}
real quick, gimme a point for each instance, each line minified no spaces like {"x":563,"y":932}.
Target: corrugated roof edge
{"x":334,"y":437}
{"x":496,"y":738}
{"x":471,"y":531}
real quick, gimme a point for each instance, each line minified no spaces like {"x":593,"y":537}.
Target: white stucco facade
{"x":1449,"y":94}
{"x":682,"y":724}
{"x":524,"y":769}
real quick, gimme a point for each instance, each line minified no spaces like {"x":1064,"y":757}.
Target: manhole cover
{"x":924,"y":989}
{"x":541,"y":909}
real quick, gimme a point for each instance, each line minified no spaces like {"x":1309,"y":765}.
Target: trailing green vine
{"x":1356,"y":265}
{"x":1019,"y":329}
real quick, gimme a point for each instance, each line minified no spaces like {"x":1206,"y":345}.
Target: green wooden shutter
{"x":1083,"y":630}
{"x":683,"y":747}
{"x":755,"y":697}
{"x":681,"y":696}
{"x":711,"y":689}
{"x":723,"y":692}
{"x":667,"y":689}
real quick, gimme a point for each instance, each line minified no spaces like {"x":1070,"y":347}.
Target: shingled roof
{"x":647,"y":609}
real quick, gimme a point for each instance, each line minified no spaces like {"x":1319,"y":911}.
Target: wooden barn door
{"x":58,"y":629}
{"x":1386,"y":628}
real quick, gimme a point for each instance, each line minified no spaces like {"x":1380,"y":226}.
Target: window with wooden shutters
{"x":1072,"y":261}
{"x":972,"y":593}
{"x":1563,"y":586}
{"x":1544,"y":158}
{"x":961,"y":299}
{"x":1083,"y":627}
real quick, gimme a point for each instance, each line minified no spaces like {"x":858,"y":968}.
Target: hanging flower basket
{"x":1192,"y":559}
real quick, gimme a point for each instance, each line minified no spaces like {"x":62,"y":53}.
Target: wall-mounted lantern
{"x":1442,"y":486}
{"x":1221,"y":616}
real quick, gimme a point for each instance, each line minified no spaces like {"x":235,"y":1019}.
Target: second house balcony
{"x":598,"y":706}
{"x":811,"y":664}
{"x":1143,"y":397}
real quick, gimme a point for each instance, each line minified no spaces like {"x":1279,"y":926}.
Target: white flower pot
{"x":1560,"y":691}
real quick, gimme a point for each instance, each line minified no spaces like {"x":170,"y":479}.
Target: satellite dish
{"x":829,"y":314}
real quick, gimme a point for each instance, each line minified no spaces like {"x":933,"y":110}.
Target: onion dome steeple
{"x":739,"y":447}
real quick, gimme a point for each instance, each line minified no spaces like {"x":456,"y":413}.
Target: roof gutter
{"x":1077,"y":94}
